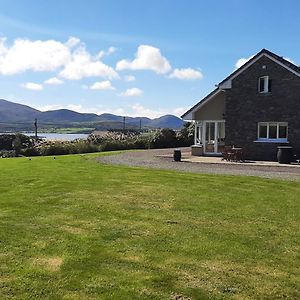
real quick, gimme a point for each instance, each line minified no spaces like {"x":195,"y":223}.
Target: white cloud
{"x":110,"y":51}
{"x":186,"y":74}
{"x":3,"y":48}
{"x":47,"y":107}
{"x":138,"y":110}
{"x":147,"y":58}
{"x":102,"y":85}
{"x":178,"y":111}
{"x":53,"y":81}
{"x":70,"y":58}
{"x":26,"y":55}
{"x":75,"y":107}
{"x":32,"y":86}
{"x":129,"y":78}
{"x":240,"y":62}
{"x":72,"y":42}
{"x":82,"y":64}
{"x":133,"y":92}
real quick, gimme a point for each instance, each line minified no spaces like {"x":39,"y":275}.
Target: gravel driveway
{"x":151,"y":159}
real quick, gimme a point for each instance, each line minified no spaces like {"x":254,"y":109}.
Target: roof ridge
{"x":281,"y":59}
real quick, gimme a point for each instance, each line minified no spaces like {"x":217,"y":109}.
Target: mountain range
{"x":21,"y":115}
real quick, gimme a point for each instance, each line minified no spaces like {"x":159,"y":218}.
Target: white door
{"x":214,"y":134}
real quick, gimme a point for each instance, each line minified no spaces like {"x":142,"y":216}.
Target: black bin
{"x":177,"y":155}
{"x":285,"y":154}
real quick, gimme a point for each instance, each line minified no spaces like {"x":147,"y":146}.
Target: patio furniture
{"x":238,"y":155}
{"x":227,"y":153}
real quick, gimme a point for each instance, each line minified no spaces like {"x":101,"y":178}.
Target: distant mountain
{"x":66,"y":116}
{"x":169,"y":121}
{"x":13,"y":113}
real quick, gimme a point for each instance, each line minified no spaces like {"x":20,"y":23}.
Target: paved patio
{"x":187,"y":157}
{"x":163,"y":159}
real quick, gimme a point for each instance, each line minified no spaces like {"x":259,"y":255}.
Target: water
{"x":59,"y":136}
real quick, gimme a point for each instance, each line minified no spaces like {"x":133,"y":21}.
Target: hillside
{"x":15,"y":112}
{"x":15,"y":115}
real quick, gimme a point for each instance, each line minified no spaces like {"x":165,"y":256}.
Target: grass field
{"x":72,"y":228}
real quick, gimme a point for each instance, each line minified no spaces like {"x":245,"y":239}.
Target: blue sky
{"x":138,"y":58}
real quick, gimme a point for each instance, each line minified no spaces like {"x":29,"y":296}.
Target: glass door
{"x":210,"y":137}
{"x":214,"y":137}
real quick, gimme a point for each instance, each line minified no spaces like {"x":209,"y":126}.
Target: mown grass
{"x":72,"y":228}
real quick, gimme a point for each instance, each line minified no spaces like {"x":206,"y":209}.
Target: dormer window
{"x":264,"y":85}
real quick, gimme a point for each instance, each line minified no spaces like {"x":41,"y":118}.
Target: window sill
{"x":275,"y":141}
{"x":264,"y":93}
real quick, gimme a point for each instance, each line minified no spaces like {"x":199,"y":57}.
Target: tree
{"x":185,"y":136}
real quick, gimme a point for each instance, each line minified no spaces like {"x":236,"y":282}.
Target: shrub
{"x":6,"y":141}
{"x":83,"y":147}
{"x":185,"y":136}
{"x":45,"y":148}
{"x":54,"y":149}
{"x":7,"y":153}
{"x":163,"y":138}
{"x":31,"y":151}
{"x":111,"y":145}
{"x":17,"y":144}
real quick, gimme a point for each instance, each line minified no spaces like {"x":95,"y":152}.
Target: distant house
{"x":257,"y":107}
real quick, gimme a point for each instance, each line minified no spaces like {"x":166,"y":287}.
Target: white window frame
{"x":266,"y":84}
{"x":271,"y":140}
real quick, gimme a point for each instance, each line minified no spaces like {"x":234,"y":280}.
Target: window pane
{"x":272,"y":131}
{"x":282,"y":131}
{"x":262,"y":131}
{"x":210,"y":132}
{"x":261,"y":84}
{"x":270,"y":86}
{"x":221,"y":131}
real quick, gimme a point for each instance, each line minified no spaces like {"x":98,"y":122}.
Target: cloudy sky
{"x":134,"y":57}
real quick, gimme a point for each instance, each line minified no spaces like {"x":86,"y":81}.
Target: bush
{"x":83,"y":147}
{"x":7,"y":140}
{"x":110,"y":141}
{"x":17,"y":144}
{"x":7,"y":153}
{"x":185,"y":136}
{"x":163,"y":138}
{"x":31,"y":151}
{"x":117,"y":145}
{"x":54,"y":149}
{"x":46,"y":148}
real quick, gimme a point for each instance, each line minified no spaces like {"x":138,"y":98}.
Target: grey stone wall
{"x":245,"y":107}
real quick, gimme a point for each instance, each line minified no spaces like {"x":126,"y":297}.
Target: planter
{"x":285,"y":154}
{"x":197,"y":150}
{"x":177,"y":155}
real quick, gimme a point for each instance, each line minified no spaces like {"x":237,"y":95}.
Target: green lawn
{"x":72,"y":228}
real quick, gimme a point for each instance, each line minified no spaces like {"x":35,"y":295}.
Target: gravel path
{"x":150,"y":159}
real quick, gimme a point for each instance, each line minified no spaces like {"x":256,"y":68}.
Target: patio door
{"x":214,"y":133}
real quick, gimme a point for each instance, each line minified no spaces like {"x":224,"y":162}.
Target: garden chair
{"x":227,"y":153}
